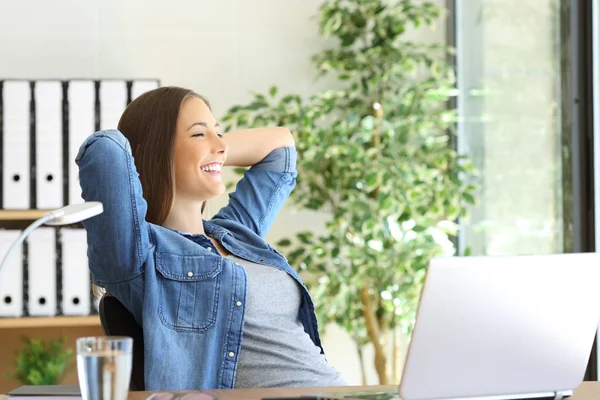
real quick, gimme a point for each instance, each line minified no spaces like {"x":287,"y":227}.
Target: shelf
{"x":21,"y":215}
{"x":49,"y":322}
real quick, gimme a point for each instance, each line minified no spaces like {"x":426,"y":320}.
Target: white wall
{"x":222,"y":49}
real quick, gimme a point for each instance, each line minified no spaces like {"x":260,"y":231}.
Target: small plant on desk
{"x":40,"y":363}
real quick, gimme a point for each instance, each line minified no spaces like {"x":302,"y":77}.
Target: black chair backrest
{"x":116,"y":320}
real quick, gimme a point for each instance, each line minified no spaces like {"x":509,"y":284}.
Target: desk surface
{"x":587,"y":391}
{"x":258,"y":394}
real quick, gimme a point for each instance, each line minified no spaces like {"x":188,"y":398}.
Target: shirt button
{"x":262,"y":260}
{"x":238,"y":303}
{"x":238,"y":264}
{"x":209,"y":248}
{"x":231,"y":354}
{"x":190,"y":274}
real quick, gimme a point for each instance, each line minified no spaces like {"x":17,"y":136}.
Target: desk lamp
{"x":63,"y":216}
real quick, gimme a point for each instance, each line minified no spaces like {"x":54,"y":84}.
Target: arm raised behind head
{"x":118,"y":239}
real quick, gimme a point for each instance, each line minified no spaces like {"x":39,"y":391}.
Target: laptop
{"x":501,"y":327}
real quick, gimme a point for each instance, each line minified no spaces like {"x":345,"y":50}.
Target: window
{"x":510,"y":79}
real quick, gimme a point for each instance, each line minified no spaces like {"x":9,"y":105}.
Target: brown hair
{"x":149,"y":123}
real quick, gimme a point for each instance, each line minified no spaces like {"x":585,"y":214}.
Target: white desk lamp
{"x":63,"y":216}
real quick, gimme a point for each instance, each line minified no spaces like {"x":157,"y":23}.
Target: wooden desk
{"x":587,"y":391}
{"x":258,"y":394}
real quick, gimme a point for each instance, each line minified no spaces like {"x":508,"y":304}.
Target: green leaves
{"x":469,"y":198}
{"x":388,"y":178}
{"x":284,"y":243}
{"x":387,"y":204}
{"x":40,"y":363}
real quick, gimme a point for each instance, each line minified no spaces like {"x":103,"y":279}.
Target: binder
{"x":75,"y":273}
{"x":11,"y":277}
{"x":42,"y":272}
{"x":16,"y":98}
{"x":142,"y":86}
{"x":113,"y":100}
{"x":82,"y":116}
{"x":48,"y":144}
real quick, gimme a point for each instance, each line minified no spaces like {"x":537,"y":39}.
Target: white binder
{"x":76,"y":285}
{"x":140,"y":87}
{"x":11,"y":277}
{"x":16,"y":97}
{"x":48,"y":137}
{"x":82,"y":115}
{"x":113,"y":100}
{"x":42,"y":272}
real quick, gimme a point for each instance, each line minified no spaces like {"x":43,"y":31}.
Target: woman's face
{"x":199,"y":153}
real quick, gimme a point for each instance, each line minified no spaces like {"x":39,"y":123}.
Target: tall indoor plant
{"x":375,"y":154}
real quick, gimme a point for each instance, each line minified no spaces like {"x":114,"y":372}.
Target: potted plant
{"x":40,"y":363}
{"x":376,"y":155}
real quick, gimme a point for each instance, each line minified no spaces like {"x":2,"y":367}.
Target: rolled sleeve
{"x":262,"y":191}
{"x":283,"y":159}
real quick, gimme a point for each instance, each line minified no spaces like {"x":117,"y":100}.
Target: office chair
{"x":116,"y":320}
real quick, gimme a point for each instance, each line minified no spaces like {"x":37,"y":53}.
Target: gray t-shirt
{"x":276,"y":352}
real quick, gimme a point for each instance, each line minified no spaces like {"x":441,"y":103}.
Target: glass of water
{"x":104,"y":367}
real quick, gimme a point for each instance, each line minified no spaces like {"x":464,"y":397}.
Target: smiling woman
{"x":219,"y":307}
{"x":199,"y":152}
{"x":174,"y":163}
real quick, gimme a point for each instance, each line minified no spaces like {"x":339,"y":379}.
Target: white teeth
{"x":212,"y":168}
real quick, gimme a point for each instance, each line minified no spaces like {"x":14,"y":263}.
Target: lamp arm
{"x":26,"y":232}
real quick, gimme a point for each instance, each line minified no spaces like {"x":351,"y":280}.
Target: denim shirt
{"x":189,"y":299}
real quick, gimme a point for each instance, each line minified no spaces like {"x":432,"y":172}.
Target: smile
{"x":214,"y":168}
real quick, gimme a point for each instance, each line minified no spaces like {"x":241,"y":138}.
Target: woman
{"x":219,"y":307}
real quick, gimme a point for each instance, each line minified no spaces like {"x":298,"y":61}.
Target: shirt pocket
{"x":188,"y":291}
